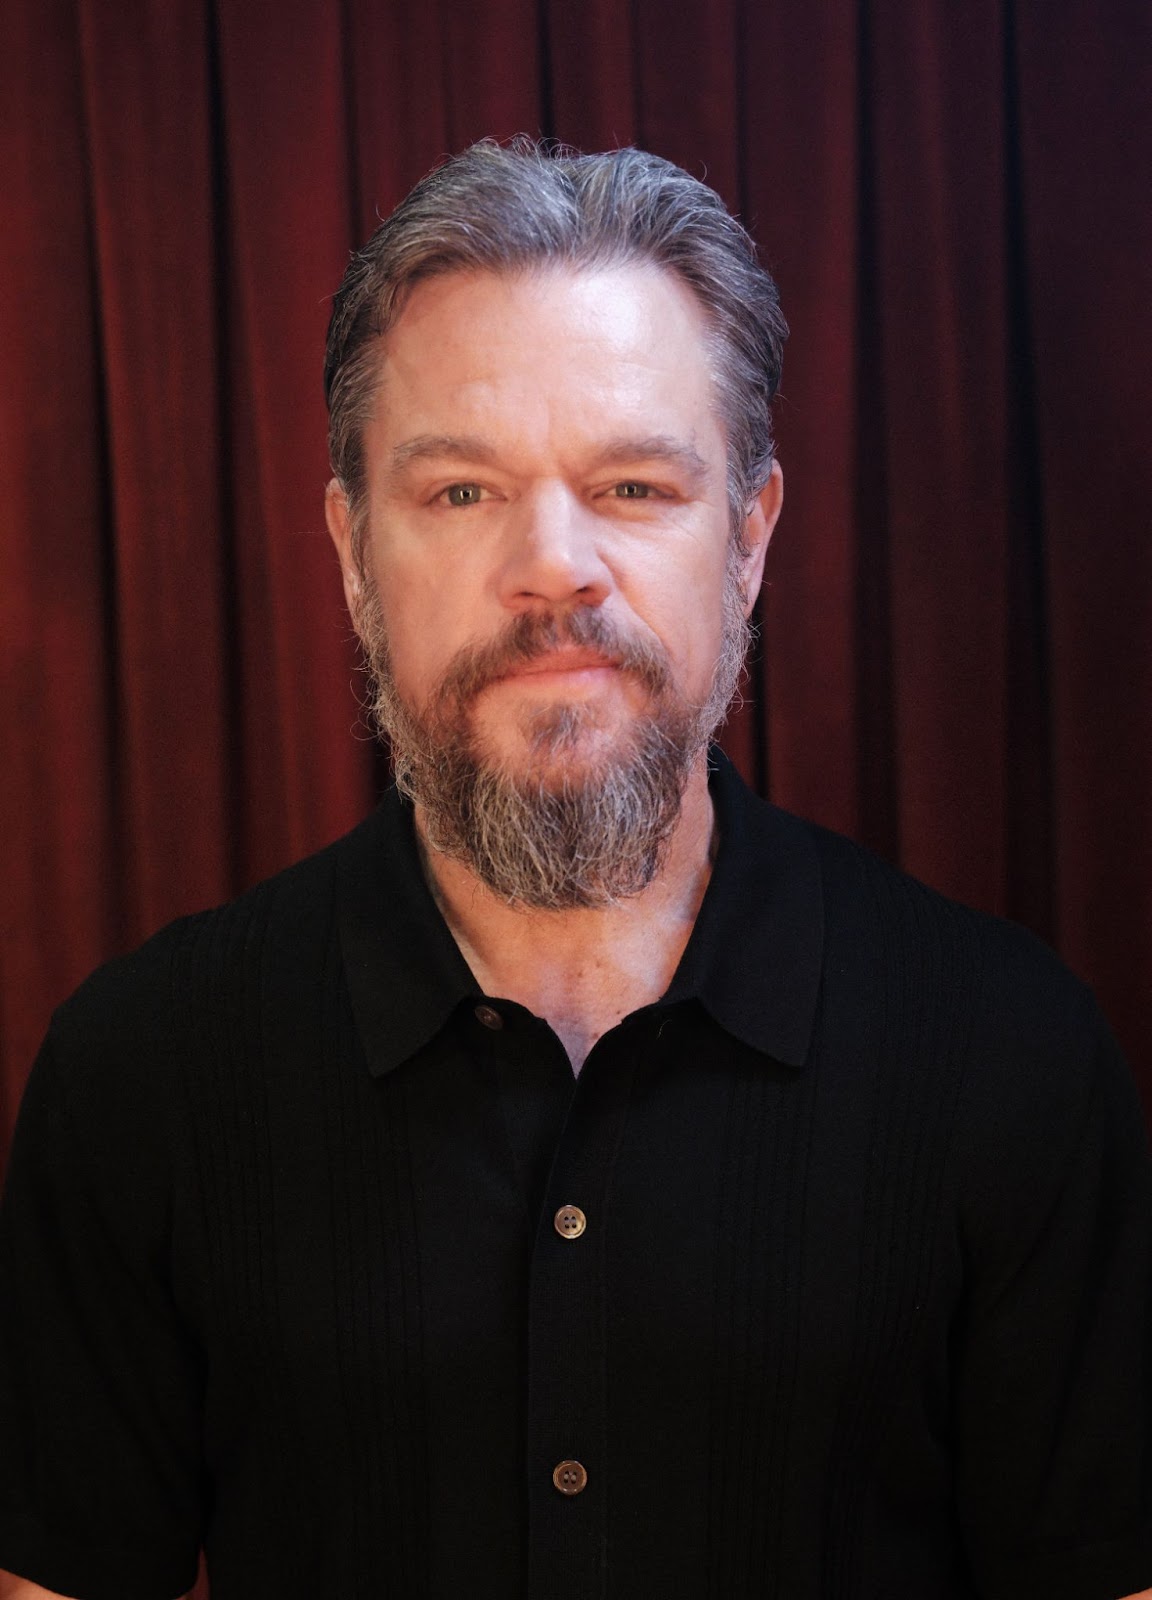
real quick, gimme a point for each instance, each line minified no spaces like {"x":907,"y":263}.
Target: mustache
{"x":534,"y":634}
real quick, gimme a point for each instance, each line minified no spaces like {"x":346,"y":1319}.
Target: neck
{"x":582,"y":970}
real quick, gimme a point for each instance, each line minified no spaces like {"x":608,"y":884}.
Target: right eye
{"x":463,"y":494}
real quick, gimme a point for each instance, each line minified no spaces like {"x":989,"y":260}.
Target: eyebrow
{"x":656,"y":447}
{"x":440,"y":447}
{"x":614,"y":452}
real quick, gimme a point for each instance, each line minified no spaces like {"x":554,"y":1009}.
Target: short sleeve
{"x":1054,"y":1405}
{"x":99,"y":1379}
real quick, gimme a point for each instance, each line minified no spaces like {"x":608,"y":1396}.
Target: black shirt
{"x":829,"y":1276}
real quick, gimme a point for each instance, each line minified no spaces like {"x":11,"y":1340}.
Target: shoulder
{"x":983,"y":1011}
{"x":255,"y":929}
{"x":954,"y":993}
{"x":136,"y":1022}
{"x":919,"y":983}
{"x":1007,"y":979}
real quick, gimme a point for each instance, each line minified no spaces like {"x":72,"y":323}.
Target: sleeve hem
{"x":1109,"y":1569}
{"x":99,"y":1572}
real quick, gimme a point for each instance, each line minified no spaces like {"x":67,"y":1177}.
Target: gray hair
{"x":506,"y":208}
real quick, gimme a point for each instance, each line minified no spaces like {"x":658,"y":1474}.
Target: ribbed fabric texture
{"x":311,"y":1287}
{"x":279,"y":1244}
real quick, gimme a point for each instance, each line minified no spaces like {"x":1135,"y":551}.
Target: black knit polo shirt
{"x":828,"y":1277}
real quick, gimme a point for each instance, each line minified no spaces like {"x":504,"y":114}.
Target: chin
{"x":557,"y":745}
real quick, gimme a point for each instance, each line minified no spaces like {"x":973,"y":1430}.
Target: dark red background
{"x":957,"y":656}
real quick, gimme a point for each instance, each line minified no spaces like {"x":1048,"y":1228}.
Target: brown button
{"x":570,"y":1477}
{"x":569,"y":1222}
{"x":490,"y":1017}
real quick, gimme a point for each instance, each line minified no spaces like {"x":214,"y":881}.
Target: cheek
{"x":689,"y":600}
{"x":428,"y":617}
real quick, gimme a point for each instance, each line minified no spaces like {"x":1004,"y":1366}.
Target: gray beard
{"x":597,"y":833}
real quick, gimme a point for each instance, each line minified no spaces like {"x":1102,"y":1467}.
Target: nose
{"x":553,"y":554}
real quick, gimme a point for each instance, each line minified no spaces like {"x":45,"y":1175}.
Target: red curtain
{"x":956,"y":662}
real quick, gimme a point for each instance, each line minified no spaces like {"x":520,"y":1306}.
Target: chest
{"x":702,"y":1275}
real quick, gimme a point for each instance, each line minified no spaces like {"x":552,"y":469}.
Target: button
{"x":570,"y":1477}
{"x":569,"y":1222}
{"x":490,"y":1017}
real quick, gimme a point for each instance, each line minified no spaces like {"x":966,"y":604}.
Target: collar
{"x":755,"y":956}
{"x":753,"y":961}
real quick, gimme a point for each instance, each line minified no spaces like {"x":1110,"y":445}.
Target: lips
{"x":536,"y":645}
{"x":561,"y":661}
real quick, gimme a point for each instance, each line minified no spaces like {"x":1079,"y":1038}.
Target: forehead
{"x":548,"y":349}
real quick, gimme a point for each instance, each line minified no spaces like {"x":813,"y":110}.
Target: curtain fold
{"x":955,"y":663}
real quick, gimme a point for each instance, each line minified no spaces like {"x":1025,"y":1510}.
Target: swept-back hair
{"x":508,"y":208}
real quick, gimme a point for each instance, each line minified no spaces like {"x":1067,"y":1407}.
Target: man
{"x":584,"y":1179}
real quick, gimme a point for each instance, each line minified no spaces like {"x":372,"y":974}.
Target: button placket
{"x":567,"y":1408}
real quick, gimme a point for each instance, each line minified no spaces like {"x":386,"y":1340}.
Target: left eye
{"x":633,"y":491}
{"x":463,"y":494}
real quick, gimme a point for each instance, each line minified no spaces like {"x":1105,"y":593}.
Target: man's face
{"x":547,"y":563}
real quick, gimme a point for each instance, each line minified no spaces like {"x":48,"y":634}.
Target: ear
{"x":758,"y":526}
{"x":339,"y":520}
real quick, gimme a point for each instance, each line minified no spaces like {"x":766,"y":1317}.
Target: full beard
{"x":564,"y":831}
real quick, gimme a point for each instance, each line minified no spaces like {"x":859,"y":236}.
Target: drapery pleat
{"x":956,"y":662}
